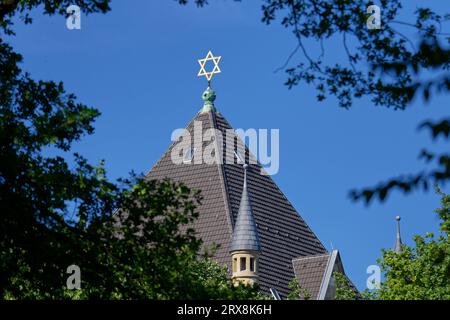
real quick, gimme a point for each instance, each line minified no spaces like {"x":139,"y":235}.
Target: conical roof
{"x":283,"y":234}
{"x":245,"y":233}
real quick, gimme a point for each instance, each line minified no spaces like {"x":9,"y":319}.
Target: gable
{"x":310,"y":273}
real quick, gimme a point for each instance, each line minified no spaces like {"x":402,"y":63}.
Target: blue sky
{"x":138,"y":66}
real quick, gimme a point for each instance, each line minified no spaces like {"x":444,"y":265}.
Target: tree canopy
{"x":131,"y":239}
{"x":11,"y":8}
{"x":421,"y":272}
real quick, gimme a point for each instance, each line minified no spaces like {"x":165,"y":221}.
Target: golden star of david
{"x":216,"y":69}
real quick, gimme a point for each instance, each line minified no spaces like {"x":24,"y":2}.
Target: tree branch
{"x":7,"y":7}
{"x":288,"y":59}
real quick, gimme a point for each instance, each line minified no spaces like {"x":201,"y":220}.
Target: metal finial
{"x":208,"y":96}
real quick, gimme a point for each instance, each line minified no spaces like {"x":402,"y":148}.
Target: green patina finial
{"x":208,"y":100}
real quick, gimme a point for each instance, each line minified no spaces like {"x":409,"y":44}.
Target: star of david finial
{"x":209,"y":74}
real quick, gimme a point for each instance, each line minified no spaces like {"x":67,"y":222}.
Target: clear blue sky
{"x":138,"y":65}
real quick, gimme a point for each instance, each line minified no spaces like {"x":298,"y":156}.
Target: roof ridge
{"x":327,"y":275}
{"x":311,"y":256}
{"x":224,"y":184}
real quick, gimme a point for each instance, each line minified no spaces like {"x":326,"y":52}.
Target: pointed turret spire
{"x":245,"y":248}
{"x":398,"y":240}
{"x":245,"y":234}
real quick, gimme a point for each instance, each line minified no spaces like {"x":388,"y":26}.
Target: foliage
{"x":214,"y":282}
{"x":10,"y":8}
{"x":384,"y":65}
{"x":344,"y":289}
{"x":421,"y":272}
{"x":297,"y":291}
{"x":56,"y":209}
{"x":383,"y":49}
{"x":39,"y":193}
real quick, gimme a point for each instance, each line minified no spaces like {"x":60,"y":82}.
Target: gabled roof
{"x":315,"y":274}
{"x":245,"y":233}
{"x":284,"y":235}
{"x":309,"y":272}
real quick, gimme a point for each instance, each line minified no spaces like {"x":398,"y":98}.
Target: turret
{"x":245,"y":247}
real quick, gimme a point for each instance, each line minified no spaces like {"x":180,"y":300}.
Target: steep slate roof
{"x":245,"y":234}
{"x":284,"y":235}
